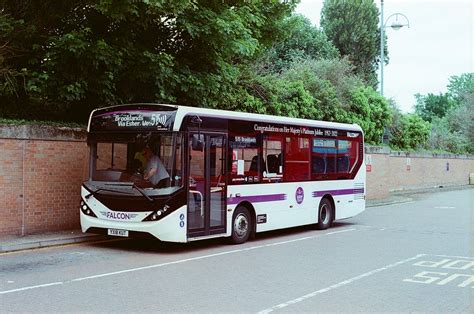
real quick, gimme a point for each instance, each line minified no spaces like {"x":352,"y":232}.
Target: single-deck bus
{"x":217,"y":173}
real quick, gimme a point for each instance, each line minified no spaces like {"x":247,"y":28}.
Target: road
{"x":416,"y":256}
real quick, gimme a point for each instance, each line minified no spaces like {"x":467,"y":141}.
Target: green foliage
{"x":353,"y":27}
{"x":444,"y":139}
{"x":339,"y":72}
{"x":300,"y":41}
{"x":67,"y":57}
{"x":455,"y":131}
{"x":315,"y":89}
{"x":371,"y":111}
{"x":431,"y":106}
{"x":451,"y":114}
{"x":461,"y":88}
{"x":408,"y":131}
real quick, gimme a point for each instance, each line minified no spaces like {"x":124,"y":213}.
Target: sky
{"x":438,"y":44}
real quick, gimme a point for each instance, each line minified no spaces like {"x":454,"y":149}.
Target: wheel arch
{"x":333,"y":204}
{"x":253,"y":216}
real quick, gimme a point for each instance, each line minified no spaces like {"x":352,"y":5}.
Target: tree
{"x":409,"y":131}
{"x":461,"y":88}
{"x":371,"y":111}
{"x":73,"y":56}
{"x":455,"y":131}
{"x":353,"y":28}
{"x":430,"y":106}
{"x":315,"y":89}
{"x":300,"y":41}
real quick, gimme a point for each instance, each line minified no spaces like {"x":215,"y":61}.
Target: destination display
{"x":133,"y":120}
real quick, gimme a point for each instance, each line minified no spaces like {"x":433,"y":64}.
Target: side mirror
{"x":198,"y":142}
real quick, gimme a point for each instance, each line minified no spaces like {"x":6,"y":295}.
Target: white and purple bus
{"x":227,"y":174}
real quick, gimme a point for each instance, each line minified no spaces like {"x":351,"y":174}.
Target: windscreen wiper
{"x":134,"y":186}
{"x":143,"y":193}
{"x":106,"y":190}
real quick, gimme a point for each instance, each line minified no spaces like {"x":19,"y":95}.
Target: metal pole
{"x":382,"y":39}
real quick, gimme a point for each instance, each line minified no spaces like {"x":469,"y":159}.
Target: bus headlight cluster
{"x":86,"y":210}
{"x":157,"y":214}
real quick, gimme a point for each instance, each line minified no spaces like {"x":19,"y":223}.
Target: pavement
{"x":59,"y":238}
{"x":42,"y":240}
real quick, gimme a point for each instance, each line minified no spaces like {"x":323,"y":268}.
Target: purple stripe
{"x":338,"y":192}
{"x":256,"y":198}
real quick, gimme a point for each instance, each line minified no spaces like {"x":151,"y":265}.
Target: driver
{"x":155,"y":171}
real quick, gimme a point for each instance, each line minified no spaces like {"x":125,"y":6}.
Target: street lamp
{"x":396,"y":25}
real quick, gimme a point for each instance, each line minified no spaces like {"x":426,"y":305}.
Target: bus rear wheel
{"x":241,"y":225}
{"x":325,"y":214}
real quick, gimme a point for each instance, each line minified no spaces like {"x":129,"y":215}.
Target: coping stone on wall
{"x":42,"y":132}
{"x":384,"y":150}
{"x":429,"y":155}
{"x":369,"y":149}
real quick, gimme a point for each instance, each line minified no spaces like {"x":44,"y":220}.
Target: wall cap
{"x":384,"y":150}
{"x":42,"y":132}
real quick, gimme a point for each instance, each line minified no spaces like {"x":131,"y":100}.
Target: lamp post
{"x":396,"y":25}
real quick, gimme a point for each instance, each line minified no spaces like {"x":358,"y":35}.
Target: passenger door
{"x":207,"y":184}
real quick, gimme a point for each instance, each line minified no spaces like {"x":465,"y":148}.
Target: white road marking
{"x":395,"y":204}
{"x":341,"y":231}
{"x":445,"y":207}
{"x":207,"y":256}
{"x":175,"y":262}
{"x":33,"y":287}
{"x":451,"y":256}
{"x":338,"y":285}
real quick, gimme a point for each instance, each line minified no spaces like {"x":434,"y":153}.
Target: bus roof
{"x":183,"y":111}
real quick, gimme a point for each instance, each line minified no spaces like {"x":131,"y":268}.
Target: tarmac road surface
{"x":416,"y":256}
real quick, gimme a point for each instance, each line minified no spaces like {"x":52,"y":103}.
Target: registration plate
{"x":117,"y":232}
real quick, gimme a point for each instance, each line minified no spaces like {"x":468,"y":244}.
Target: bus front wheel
{"x":325,"y":213}
{"x":241,"y":225}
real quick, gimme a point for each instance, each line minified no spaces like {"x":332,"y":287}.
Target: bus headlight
{"x":86,"y":210}
{"x":157,"y":214}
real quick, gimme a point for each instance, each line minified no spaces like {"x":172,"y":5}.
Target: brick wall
{"x":402,"y":171}
{"x":42,"y":168}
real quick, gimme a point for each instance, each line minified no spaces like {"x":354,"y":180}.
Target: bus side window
{"x":243,"y":159}
{"x":331,"y":164}
{"x":273,"y":163}
{"x":254,"y":164}
{"x":343,"y":164}
{"x":319,"y":165}
{"x":272,"y":152}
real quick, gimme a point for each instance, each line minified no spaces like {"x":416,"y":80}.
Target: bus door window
{"x":273,"y":157}
{"x":196,"y":198}
{"x":297,"y":159}
{"x":217,"y":180}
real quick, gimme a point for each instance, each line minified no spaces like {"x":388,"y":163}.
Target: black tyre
{"x":241,"y":225}
{"x":325,"y":214}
